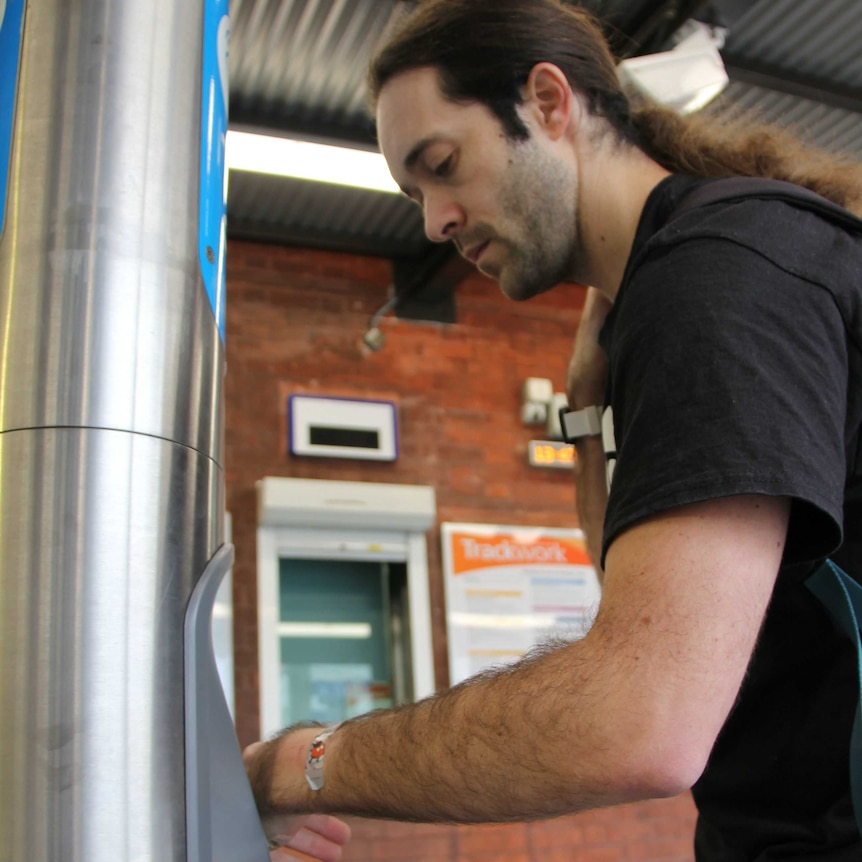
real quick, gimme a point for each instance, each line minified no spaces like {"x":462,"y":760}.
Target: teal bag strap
{"x":842,"y":597}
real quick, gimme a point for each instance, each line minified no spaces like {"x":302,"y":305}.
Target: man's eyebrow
{"x":416,"y":152}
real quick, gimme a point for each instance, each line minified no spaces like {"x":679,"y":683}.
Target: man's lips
{"x":475,"y":252}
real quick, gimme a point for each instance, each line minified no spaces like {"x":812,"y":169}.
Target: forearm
{"x":526,"y":743}
{"x":498,"y":759}
{"x":629,"y":712}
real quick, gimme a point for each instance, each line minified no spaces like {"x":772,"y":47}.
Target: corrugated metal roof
{"x":303,"y":62}
{"x":807,"y":38}
{"x":297,"y":67}
{"x":302,"y":212}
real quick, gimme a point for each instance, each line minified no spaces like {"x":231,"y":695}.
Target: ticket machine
{"x":115,"y":740}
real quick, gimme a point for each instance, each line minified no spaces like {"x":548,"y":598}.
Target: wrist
{"x":290,"y":787}
{"x":582,"y":424}
{"x":276,"y":771}
{"x":316,"y":756}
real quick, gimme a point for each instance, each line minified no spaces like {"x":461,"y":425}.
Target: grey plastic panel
{"x":222,"y":821}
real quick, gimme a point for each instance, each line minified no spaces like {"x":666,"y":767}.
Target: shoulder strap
{"x":842,"y":597}
{"x":736,"y":188}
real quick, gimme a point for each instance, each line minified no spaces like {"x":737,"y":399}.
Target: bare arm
{"x":585,"y":387}
{"x":629,"y":712}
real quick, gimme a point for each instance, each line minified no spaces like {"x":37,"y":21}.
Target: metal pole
{"x":111,"y":366}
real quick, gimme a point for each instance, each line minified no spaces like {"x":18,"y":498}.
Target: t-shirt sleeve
{"x":728,"y":376}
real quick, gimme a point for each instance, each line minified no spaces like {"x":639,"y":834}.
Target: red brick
{"x":556,"y":834}
{"x":508,"y":838}
{"x":496,"y":856}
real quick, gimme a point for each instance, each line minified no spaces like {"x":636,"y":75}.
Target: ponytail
{"x":704,"y":146}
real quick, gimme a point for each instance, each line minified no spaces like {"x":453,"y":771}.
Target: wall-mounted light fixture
{"x":305,"y":160}
{"x":685,"y":78}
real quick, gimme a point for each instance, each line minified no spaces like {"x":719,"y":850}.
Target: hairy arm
{"x":629,"y":712}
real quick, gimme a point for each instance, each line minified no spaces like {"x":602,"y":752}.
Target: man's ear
{"x":551,"y":101}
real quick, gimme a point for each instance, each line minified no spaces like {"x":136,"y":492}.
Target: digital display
{"x":358,"y":437}
{"x":551,"y":453}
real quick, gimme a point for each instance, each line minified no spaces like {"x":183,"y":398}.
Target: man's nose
{"x":443,"y":218}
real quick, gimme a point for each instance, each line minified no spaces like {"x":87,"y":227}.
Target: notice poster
{"x":510,"y":588}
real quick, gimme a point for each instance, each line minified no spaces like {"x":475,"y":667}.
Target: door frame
{"x":316,"y":543}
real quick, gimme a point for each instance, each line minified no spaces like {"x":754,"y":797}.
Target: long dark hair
{"x":484,"y":51}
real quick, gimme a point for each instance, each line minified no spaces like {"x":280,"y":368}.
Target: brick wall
{"x":295,"y":320}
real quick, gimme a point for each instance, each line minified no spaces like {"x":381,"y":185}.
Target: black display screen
{"x":355,"y":438}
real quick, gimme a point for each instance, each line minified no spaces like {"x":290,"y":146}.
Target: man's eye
{"x":444,"y":168}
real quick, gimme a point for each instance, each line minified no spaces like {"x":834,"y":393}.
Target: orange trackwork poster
{"x":511,"y":588}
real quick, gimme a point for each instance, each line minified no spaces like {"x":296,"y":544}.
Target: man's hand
{"x":276,"y":769}
{"x":585,"y":387}
{"x":318,"y":837}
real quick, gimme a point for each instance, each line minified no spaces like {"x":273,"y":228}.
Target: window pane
{"x":334,"y":632}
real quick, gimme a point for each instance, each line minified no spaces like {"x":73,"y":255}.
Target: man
{"x":730,"y":380}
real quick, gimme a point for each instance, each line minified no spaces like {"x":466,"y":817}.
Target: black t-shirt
{"x":735,"y":368}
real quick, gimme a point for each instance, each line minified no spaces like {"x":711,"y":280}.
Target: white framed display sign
{"x":510,"y":588}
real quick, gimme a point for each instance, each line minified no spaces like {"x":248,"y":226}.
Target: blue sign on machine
{"x":213,"y":187}
{"x":11,"y":25}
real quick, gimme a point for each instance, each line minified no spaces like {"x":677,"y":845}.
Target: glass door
{"x":344,"y":622}
{"x":344,"y":645}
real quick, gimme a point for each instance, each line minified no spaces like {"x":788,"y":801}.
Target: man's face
{"x":510,"y":207}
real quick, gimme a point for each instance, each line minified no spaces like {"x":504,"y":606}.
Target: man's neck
{"x":613,"y":189}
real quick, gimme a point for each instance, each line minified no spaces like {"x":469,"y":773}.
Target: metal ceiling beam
{"x":239,"y":228}
{"x":787,"y":81}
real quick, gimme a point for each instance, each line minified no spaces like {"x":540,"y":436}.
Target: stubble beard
{"x":540,"y":198}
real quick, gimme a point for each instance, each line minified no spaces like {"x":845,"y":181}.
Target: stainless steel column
{"x":111,"y":370}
